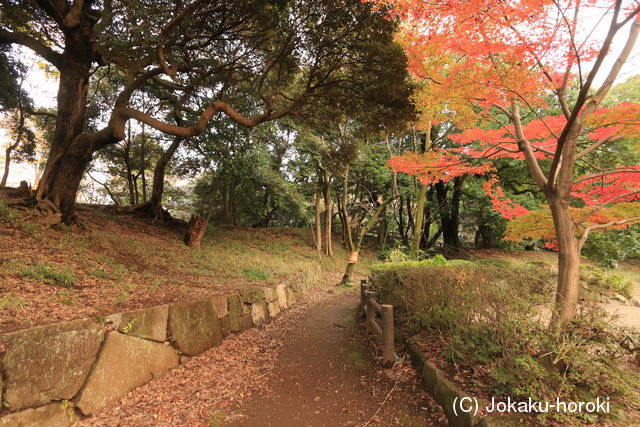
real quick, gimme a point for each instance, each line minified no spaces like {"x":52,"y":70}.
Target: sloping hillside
{"x":118,"y":262}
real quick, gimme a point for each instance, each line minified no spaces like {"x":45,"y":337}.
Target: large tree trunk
{"x":568,"y":263}
{"x":70,"y":152}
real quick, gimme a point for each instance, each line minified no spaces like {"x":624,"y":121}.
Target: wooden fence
{"x":371,"y":309}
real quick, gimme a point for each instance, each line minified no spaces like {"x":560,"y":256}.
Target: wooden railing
{"x":371,"y":309}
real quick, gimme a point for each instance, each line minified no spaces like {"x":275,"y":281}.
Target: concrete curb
{"x":443,"y":391}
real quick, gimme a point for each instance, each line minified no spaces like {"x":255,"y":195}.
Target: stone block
{"x":149,"y":323}
{"x":240,"y":323}
{"x":221,"y":305}
{"x":445,"y":394}
{"x":259,"y":313}
{"x":236,"y":306}
{"x":125,"y":363}
{"x":291,"y":297}
{"x":274,"y":308}
{"x":225,"y":326}
{"x":52,"y":415}
{"x":194,"y":327}
{"x":48,"y":363}
{"x":281,"y":293}
{"x":269,"y":293}
{"x":251,"y":296}
{"x":240,"y":317}
{"x":430,"y":376}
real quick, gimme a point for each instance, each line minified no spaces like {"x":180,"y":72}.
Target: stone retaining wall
{"x":54,"y":375}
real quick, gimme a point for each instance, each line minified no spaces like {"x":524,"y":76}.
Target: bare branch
{"x":576,"y":113}
{"x":596,"y":145}
{"x":591,"y":228}
{"x":205,"y":117}
{"x":600,"y":175}
{"x":35,"y":45}
{"x":169,"y":70}
{"x":525,"y":147}
{"x":615,"y":69}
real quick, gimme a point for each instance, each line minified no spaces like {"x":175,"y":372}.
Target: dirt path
{"x":324,"y":376}
{"x":313,"y":365}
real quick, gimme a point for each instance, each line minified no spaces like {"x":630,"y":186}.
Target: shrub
{"x":598,"y":281}
{"x":394,"y":254}
{"x":613,"y":246}
{"x":489,"y":317}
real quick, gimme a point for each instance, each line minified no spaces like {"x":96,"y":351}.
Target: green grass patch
{"x":256,"y":274}
{"x":50,"y":275}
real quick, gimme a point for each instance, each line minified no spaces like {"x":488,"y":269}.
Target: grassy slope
{"x":120,"y":263}
{"x":630,"y":268}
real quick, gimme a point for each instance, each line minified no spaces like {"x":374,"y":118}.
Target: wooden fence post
{"x":370,"y":311}
{"x":388,"y":347}
{"x":363,"y":297}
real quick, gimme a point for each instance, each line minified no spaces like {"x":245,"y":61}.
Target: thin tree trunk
{"x":410,"y":223}
{"x":143,"y":166}
{"x":345,"y":215}
{"x":136,"y":192}
{"x":318,"y":222}
{"x":7,"y":164}
{"x":11,"y":147}
{"x":328,"y":247}
{"x":432,"y":241}
{"x":343,"y":222}
{"x":158,"y":177}
{"x":382,"y":229}
{"x":424,"y":239}
{"x":127,"y":164}
{"x":450,"y":214}
{"x":421,"y":196}
{"x":401,"y":228}
{"x":353,"y":255}
{"x":227,"y":213}
{"x":568,"y":263}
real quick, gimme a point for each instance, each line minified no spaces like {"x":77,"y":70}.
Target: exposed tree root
{"x":147,"y":210}
{"x":43,"y":212}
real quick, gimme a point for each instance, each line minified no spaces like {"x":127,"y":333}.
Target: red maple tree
{"x":505,"y":59}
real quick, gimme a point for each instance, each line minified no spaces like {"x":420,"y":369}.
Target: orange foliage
{"x":435,"y":166}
